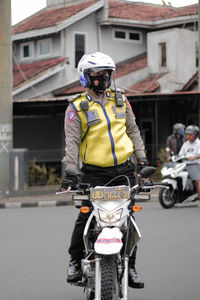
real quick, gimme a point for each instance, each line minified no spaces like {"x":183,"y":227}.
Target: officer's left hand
{"x":142,"y":163}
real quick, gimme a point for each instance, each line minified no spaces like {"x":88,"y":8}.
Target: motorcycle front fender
{"x":171,"y":181}
{"x":109,"y":241}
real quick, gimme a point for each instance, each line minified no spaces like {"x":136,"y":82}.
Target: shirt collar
{"x":101,"y":99}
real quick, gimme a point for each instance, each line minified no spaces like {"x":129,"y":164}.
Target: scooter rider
{"x":100,"y":125}
{"x":191,"y":149}
{"x":175,"y":141}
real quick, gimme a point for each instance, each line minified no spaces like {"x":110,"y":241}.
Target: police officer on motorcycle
{"x":100,"y":126}
{"x":191,"y":150}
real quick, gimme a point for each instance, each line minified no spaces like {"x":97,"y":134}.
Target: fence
{"x":44,"y":167}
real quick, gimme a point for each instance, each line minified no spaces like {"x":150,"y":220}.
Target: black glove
{"x":69,"y":180}
{"x":141,"y":163}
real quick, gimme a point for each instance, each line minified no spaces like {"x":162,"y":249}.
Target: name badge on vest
{"x":92,"y":117}
{"x":119,"y":112}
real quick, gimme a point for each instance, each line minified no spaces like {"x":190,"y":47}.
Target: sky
{"x":22,"y":9}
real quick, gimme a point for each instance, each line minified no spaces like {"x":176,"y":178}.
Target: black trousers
{"x":98,"y":176}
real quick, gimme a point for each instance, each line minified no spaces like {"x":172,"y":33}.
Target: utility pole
{"x":199,"y":47}
{"x":5,"y":93}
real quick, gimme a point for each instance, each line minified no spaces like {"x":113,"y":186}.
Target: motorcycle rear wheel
{"x":167,"y":198}
{"x":109,"y":279}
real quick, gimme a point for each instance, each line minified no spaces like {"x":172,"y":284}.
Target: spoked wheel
{"x":109,"y":279}
{"x":167,"y":197}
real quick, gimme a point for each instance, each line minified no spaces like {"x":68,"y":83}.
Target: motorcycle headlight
{"x":110,"y":217}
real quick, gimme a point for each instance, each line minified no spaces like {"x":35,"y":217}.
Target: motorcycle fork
{"x":125,"y":264}
{"x":125,"y":280}
{"x":97,"y":278}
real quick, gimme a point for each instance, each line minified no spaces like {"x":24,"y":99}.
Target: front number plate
{"x":110,"y":193}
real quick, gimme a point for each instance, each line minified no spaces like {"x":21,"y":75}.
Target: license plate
{"x":142,"y":197}
{"x":110,"y":193}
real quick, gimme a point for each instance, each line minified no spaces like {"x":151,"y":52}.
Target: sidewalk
{"x":45,"y":198}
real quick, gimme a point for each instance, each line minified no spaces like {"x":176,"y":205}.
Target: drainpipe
{"x":156,"y":129}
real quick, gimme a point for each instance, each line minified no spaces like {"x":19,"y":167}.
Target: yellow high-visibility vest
{"x":106,"y":143}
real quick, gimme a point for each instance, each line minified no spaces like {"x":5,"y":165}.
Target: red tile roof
{"x":131,"y":66}
{"x":77,"y":88}
{"x":148,"y":85}
{"x":51,"y":17}
{"x":148,"y":12}
{"x":32,"y":69}
{"x":118,"y":9}
{"x":192,"y":83}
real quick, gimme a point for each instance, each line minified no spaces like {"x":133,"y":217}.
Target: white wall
{"x":121,"y":50}
{"x":180,"y":53}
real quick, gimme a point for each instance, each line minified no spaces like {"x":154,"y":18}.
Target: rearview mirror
{"x":147,"y":172}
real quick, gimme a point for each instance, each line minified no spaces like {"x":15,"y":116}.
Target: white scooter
{"x":182,"y":189}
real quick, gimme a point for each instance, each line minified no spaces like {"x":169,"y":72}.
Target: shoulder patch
{"x":129,"y":105}
{"x":70,"y":115}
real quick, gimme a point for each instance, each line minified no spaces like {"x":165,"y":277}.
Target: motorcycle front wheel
{"x":109,"y":278}
{"x":167,"y":198}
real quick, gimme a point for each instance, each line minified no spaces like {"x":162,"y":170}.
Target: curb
{"x":35,"y":204}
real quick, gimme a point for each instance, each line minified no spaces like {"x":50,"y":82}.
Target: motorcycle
{"x":110,"y":234}
{"x":181,"y":188}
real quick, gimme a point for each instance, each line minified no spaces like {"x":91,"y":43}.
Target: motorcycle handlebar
{"x":135,"y":189}
{"x":67,"y":192}
{"x":157,"y":184}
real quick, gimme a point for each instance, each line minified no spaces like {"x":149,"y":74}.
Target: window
{"x":45,"y":47}
{"x":163,"y":55}
{"x":27,"y":50}
{"x":197,"y":54}
{"x":120,"y":34}
{"x":79,"y":47}
{"x":132,"y":36}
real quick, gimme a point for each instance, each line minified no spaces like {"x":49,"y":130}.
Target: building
{"x":155,"y":48}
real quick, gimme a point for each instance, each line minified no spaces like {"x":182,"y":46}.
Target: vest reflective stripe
{"x":106,"y":143}
{"x":110,"y":134}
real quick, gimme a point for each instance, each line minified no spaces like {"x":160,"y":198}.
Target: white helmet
{"x":192,"y":129}
{"x":94,"y":62}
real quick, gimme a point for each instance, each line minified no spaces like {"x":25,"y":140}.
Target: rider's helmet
{"x":192,"y":129}
{"x":178,"y":128}
{"x":96,"y":62}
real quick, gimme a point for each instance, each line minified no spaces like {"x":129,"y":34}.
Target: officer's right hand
{"x":65,"y":190}
{"x":69,"y":182}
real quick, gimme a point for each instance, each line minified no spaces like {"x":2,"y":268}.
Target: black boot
{"x":133,"y":279}
{"x":74,"y":271}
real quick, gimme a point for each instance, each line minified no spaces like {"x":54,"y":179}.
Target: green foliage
{"x":53,"y":178}
{"x":161,"y":159}
{"x":40,"y":174}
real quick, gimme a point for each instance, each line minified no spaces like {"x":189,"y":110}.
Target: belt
{"x":92,"y":167}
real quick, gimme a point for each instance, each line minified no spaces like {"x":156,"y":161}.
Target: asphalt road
{"x":33,"y":260}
